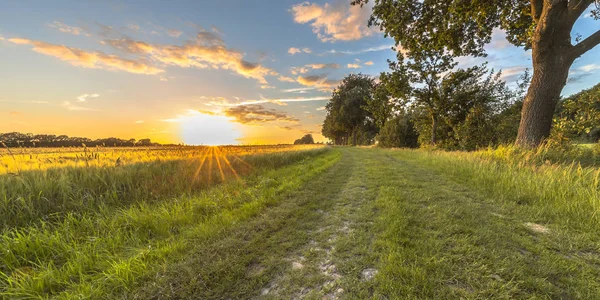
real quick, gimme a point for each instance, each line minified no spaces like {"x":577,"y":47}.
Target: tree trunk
{"x":548,"y":80}
{"x":434,"y":130}
{"x":552,"y":57}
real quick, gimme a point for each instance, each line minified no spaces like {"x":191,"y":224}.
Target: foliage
{"x":458,"y":110}
{"x":462,"y":27}
{"x":399,"y":132}
{"x":17,"y":139}
{"x":426,"y":29}
{"x":305,"y":140}
{"x":578,"y":116}
{"x":347,"y":122}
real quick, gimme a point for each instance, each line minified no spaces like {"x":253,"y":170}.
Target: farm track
{"x":381,"y":225}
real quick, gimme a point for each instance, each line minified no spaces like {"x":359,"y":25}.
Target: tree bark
{"x":434,"y":130}
{"x":549,"y":78}
{"x":552,"y":55}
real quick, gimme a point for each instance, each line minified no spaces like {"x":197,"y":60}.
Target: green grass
{"x":348,"y":223}
{"x":88,"y":254}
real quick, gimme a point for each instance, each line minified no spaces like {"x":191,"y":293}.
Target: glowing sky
{"x":199,"y":72}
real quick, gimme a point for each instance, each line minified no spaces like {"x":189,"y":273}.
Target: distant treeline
{"x":17,"y":139}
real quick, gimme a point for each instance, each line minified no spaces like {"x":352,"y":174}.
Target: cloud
{"x":294,"y":50}
{"x":299,"y":70}
{"x":319,"y":81}
{"x":223,"y":102}
{"x":286,"y":79}
{"x":353,"y":66}
{"x":499,"y":40}
{"x":368,"y":63}
{"x":174,"y":33}
{"x":85,"y":97}
{"x":139,"y":122}
{"x":134,"y":27}
{"x":512,"y":73}
{"x":298,"y":90}
{"x":589,"y":68}
{"x":265,"y":86}
{"x":207,"y":51}
{"x":15,"y":113}
{"x":323,"y":66}
{"x":322,"y":108}
{"x":306,"y":68}
{"x":70,"y":106}
{"x":68,"y":29}
{"x":256,"y":114}
{"x":335,"y":22}
{"x":361,"y":51}
{"x":94,"y":60}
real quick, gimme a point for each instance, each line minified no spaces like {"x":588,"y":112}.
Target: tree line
{"x":446,"y":29}
{"x":17,"y":139}
{"x":425,"y":99}
{"x":462,"y":110}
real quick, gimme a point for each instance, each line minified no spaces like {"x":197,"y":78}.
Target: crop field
{"x":282,"y":222}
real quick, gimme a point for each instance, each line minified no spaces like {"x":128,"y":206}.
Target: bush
{"x":398,"y":132}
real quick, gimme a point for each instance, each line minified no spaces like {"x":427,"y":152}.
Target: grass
{"x":349,"y":223}
{"x":87,"y":253}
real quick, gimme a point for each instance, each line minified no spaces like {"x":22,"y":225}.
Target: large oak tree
{"x":464,"y":27}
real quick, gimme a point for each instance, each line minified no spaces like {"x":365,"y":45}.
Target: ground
{"x":385,"y":224}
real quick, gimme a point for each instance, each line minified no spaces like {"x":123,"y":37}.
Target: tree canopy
{"x":459,"y":28}
{"x":347,"y":121}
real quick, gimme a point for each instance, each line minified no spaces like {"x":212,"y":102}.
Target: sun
{"x":207,"y":129}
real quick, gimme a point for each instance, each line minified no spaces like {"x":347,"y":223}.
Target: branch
{"x":587,"y":44}
{"x":536,"y":9}
{"x":578,"y":7}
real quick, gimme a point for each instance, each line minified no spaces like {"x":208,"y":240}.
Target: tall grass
{"x":109,"y":179}
{"x":103,"y":245}
{"x":557,"y":188}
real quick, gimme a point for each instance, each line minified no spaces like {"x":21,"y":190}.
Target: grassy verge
{"x":89,"y":255}
{"x":462,"y":226}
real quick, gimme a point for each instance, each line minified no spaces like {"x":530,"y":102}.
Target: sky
{"x":201,"y":72}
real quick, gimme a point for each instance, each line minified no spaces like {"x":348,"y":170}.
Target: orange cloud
{"x":207,"y":51}
{"x":286,"y":79}
{"x":333,"y":22}
{"x":68,"y":29}
{"x":294,"y":50}
{"x":353,"y":66}
{"x":94,"y":60}
{"x":319,"y":81}
{"x":256,"y":114}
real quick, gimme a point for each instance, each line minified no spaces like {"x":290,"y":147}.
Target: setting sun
{"x":206,"y":129}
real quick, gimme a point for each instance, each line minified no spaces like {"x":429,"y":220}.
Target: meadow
{"x":314,"y":222}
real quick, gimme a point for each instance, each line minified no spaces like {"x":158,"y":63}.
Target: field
{"x":283,"y":222}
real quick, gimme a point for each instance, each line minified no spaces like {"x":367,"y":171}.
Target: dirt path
{"x":380,"y":225}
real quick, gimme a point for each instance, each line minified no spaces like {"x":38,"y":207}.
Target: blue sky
{"x":172,"y":70}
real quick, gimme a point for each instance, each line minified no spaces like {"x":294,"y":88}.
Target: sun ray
{"x":229,"y":165}
{"x":210,"y":164}
{"x":204,"y":155}
{"x":218,"y":158}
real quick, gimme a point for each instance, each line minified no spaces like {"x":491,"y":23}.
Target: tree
{"x":463,"y":28}
{"x":399,"y":132}
{"x":347,"y":121}
{"x":305,"y":140}
{"x":424,"y":71}
{"x":579,"y":115}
